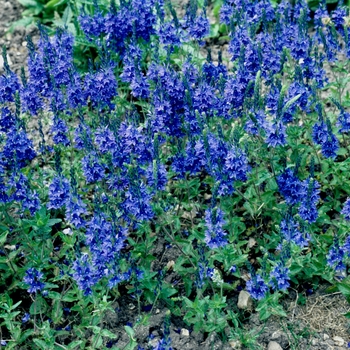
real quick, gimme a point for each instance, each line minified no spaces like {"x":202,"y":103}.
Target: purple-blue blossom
{"x":291,"y":187}
{"x":257,"y":287}
{"x":33,"y":279}
{"x":280,"y":277}
{"x":346,"y":209}
{"x":215,"y":235}
{"x":59,"y":191}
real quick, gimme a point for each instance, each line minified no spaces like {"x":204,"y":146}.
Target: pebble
{"x":274,"y":346}
{"x":235,"y":344}
{"x":68,"y":231}
{"x":338,"y":341}
{"x":185,"y":332}
{"x":281,"y":338}
{"x":314,"y":342}
{"x":170,"y":264}
{"x":244,"y":300}
{"x":325,"y":336}
{"x":154,"y":342}
{"x":2,"y":62}
{"x":251,"y":242}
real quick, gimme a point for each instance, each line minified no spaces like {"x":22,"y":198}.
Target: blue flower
{"x":215,"y":234}
{"x":276,"y":134}
{"x":105,"y":140}
{"x":9,"y":85}
{"x":330,"y":145}
{"x":59,"y":191}
{"x":137,"y":203}
{"x":346,"y":209}
{"x":83,"y":137}
{"x":30,"y":99}
{"x":84,"y":274}
{"x":307,"y":209}
{"x":60,"y":130}
{"x":92,"y":168}
{"x":77,"y":97}
{"x":336,"y":256}
{"x":165,"y":342}
{"x":26,"y":317}
{"x":319,"y":133}
{"x":21,"y":191}
{"x":344,"y":121}
{"x":101,"y":87}
{"x":199,"y":28}
{"x":7,"y":120}
{"x":236,"y":165}
{"x":204,"y":99}
{"x":140,"y":86}
{"x":291,"y":232}
{"x":156,"y":176}
{"x":291,"y":187}
{"x":75,"y":209}
{"x":33,"y":278}
{"x":257,"y":287}
{"x":280,"y":277}
{"x":169,"y":34}
{"x":18,"y":149}
{"x":92,"y":26}
{"x":226,"y":12}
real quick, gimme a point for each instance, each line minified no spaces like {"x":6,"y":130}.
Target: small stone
{"x":338,"y":341}
{"x":185,"y":332}
{"x":154,"y":342}
{"x":132,"y":306}
{"x":244,"y":300}
{"x":274,"y":346}
{"x":157,"y":311}
{"x":281,"y":338}
{"x":170,"y":264}
{"x":235,"y":344}
{"x":314,"y":342}
{"x":2,"y":62}
{"x":251,"y":242}
{"x":68,"y":231}
{"x":24,"y":43}
{"x":325,"y":336}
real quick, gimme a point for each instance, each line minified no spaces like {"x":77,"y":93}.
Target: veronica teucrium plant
{"x":236,"y":168}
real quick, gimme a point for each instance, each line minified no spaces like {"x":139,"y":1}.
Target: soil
{"x":315,"y":323}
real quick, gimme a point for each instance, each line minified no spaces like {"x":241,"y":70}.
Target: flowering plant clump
{"x":160,"y":177}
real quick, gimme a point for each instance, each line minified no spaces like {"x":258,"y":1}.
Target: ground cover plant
{"x":239,"y":168}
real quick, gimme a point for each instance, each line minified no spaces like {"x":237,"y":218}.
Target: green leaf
{"x":168,"y":292}
{"x":25,"y":335}
{"x":23,"y":22}
{"x":290,"y":102}
{"x":70,"y":297}
{"x":42,"y":345}
{"x":129,"y":331}
{"x":29,"y":3}
{"x":344,"y":287}
{"x":38,"y":306}
{"x":54,"y":3}
{"x":74,"y":344}
{"x":109,"y":334}
{"x":3,"y":237}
